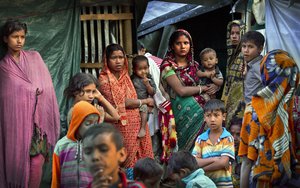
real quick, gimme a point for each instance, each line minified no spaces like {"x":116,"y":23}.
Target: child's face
{"x":116,"y":61}
{"x":102,"y":157}
{"x":15,"y":41}
{"x":235,"y":36}
{"x":235,"y":132}
{"x":214,"y":119}
{"x":250,"y":50}
{"x":87,"y":94}
{"x":88,"y":122}
{"x":181,"y":46}
{"x":209,"y":60}
{"x":141,"y":69}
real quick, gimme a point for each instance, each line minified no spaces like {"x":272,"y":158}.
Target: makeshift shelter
{"x":71,"y":34}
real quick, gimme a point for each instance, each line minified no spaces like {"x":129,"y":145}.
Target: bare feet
{"x":142,"y":133}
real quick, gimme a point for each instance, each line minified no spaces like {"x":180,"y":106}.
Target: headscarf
{"x":117,"y":86}
{"x":169,"y":63}
{"x":234,"y":53}
{"x":80,"y":111}
{"x":170,"y":56}
{"x":232,"y":49}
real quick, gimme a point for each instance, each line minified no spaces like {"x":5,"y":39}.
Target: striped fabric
{"x":224,"y":147}
{"x":68,"y":168}
{"x":73,"y":171}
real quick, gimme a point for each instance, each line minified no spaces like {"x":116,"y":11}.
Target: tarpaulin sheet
{"x":53,"y":31}
{"x":282,"y":27}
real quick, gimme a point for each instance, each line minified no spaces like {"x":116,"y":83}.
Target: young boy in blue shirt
{"x":214,"y":149}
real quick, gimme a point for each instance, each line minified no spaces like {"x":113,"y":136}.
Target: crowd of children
{"x":108,"y":143}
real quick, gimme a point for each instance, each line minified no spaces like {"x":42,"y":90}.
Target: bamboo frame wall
{"x":101,"y":26}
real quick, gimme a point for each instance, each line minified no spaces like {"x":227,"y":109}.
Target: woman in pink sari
{"x":29,"y":116}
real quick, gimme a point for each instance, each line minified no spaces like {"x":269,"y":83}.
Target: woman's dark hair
{"x":176,"y":34}
{"x":214,"y":104}
{"x":8,"y":28}
{"x":111,"y":48}
{"x":106,"y":128}
{"x":137,"y":59}
{"x":78,"y":82}
{"x":13,"y":25}
{"x":180,"y":160}
{"x":235,"y":121}
{"x":147,"y":168}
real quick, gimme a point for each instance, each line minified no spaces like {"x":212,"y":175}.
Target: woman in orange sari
{"x":267,"y":134}
{"x":117,"y":88}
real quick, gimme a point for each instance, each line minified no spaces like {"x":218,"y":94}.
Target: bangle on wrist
{"x":140,"y":101}
{"x":200,"y":90}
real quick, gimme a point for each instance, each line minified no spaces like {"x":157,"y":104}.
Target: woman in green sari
{"x":179,"y":79}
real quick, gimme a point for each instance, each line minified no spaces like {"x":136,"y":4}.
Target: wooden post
{"x":99,"y":34}
{"x":128,"y":35}
{"x":86,"y":46}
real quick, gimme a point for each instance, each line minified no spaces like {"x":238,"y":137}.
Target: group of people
{"x":205,"y":142}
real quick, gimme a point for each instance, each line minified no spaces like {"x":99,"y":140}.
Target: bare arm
{"x":243,"y":68}
{"x":182,"y":91}
{"x":201,"y":74}
{"x":212,"y":89}
{"x":222,"y":163}
{"x":135,"y":103}
{"x":111,"y":114}
{"x":163,"y":92}
{"x":217,"y":81}
{"x":150,"y":89}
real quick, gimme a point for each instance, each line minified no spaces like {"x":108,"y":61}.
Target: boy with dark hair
{"x":148,"y":171}
{"x":104,"y":151}
{"x":252,"y":46}
{"x":183,"y":170}
{"x":214,"y":149}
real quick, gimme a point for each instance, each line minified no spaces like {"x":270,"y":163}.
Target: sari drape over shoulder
{"x":187,"y":111}
{"x":233,"y":94}
{"x":267,"y":134}
{"x":116,"y":91}
{"x":27,"y":102}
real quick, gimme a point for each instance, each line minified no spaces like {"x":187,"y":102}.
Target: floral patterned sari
{"x":187,"y":111}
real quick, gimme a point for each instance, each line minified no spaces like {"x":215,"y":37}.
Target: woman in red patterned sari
{"x":117,"y":88}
